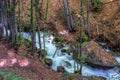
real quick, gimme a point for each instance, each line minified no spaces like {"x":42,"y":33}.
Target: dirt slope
{"x":105,"y":25}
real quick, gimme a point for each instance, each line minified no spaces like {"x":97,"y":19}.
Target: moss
{"x":96,"y":6}
{"x":83,"y":44}
{"x":85,"y":37}
{"x":84,"y":58}
{"x":47,"y":61}
{"x":24,"y":43}
{"x":44,"y":52}
{"x":57,"y":38}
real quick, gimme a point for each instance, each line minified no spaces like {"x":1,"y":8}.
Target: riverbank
{"x":35,"y":70}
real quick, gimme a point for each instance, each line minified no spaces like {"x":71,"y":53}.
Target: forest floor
{"x":32,"y":69}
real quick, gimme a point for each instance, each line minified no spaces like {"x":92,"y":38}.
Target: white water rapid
{"x":60,"y":59}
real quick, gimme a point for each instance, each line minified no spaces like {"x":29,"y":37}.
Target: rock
{"x":47,"y":61}
{"x":67,"y":64}
{"x":63,"y":50}
{"x":61,"y":69}
{"x":101,"y":43}
{"x":98,"y":57}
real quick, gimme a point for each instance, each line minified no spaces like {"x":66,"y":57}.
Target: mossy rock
{"x":24,"y":42}
{"x":47,"y":61}
{"x":63,"y":50}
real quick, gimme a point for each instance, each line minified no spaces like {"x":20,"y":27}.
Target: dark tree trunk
{"x":38,"y":16}
{"x":33,"y":30}
{"x":80,"y":47}
{"x":88,"y":18}
{"x":3,"y":19}
{"x":68,"y":15}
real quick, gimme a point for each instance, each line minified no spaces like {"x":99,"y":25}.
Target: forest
{"x":59,"y":39}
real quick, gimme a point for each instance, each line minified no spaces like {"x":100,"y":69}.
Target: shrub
{"x":57,"y":38}
{"x":96,"y":5}
{"x":10,"y":75}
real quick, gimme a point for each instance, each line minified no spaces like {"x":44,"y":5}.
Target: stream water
{"x":60,"y":59}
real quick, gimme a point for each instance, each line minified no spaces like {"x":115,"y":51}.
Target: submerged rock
{"x":67,"y":64}
{"x":63,"y":50}
{"x":98,"y":57}
{"x":61,"y":69}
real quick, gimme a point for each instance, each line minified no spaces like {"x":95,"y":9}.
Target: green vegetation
{"x":24,"y":42}
{"x":83,"y":44}
{"x":85,"y":37}
{"x":47,"y":61}
{"x":9,"y":75}
{"x":96,"y":6}
{"x":57,"y":38}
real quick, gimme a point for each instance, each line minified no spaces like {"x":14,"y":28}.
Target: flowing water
{"x":61,"y":59}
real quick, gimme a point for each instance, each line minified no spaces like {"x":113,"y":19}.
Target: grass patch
{"x":9,"y":75}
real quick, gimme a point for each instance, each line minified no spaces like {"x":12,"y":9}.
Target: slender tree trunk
{"x":80,"y":49}
{"x":11,"y":19}
{"x":5,"y":20}
{"x":37,"y":9}
{"x":33,"y":37}
{"x":15,"y":26}
{"x":45,"y":17}
{"x":1,"y":18}
{"x":88,"y":18}
{"x":68,"y":15}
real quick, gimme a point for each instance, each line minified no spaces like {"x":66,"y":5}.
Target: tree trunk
{"x":33,"y":37}
{"x":80,"y":48}
{"x":68,"y":15}
{"x":88,"y":18}
{"x":38,"y":14}
{"x":3,"y":19}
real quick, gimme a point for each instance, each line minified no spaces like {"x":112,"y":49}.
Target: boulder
{"x":61,"y":69}
{"x":97,"y":56}
{"x":63,"y":50}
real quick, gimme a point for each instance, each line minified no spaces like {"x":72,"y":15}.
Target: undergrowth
{"x":9,"y":75}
